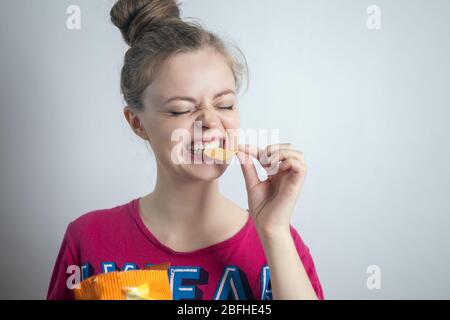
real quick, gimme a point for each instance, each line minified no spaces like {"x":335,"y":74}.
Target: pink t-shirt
{"x":117,"y":239}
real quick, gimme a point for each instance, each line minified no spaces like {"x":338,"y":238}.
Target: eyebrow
{"x":220,"y":94}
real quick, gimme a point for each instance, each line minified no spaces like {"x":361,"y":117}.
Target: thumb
{"x":248,"y":169}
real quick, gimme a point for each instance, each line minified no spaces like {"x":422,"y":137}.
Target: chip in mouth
{"x":220,"y":153}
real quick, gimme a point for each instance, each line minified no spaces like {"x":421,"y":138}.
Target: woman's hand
{"x":271,"y":202}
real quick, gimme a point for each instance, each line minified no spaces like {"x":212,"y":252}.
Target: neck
{"x":183,"y":203}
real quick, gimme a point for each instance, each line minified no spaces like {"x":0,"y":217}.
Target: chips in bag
{"x":150,"y":283}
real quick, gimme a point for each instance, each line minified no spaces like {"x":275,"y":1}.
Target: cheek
{"x":232,"y":125}
{"x":160,"y":133}
{"x":232,"y":121}
{"x":175,"y":134}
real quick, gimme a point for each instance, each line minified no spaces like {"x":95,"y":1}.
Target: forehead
{"x":202,"y":73}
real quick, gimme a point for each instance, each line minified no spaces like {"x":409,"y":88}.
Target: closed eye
{"x":177,"y":114}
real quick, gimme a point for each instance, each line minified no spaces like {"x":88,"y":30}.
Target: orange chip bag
{"x":150,"y":283}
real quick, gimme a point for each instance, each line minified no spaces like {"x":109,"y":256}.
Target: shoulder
{"x":99,"y":221}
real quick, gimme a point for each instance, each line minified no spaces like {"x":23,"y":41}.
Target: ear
{"x":134,"y":122}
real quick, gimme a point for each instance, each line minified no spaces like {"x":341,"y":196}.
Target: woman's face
{"x":191,"y":102}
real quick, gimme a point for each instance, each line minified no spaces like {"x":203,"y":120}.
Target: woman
{"x":177,"y":75}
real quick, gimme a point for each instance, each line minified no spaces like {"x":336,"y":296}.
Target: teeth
{"x":209,"y":145}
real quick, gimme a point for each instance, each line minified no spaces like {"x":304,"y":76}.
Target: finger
{"x":263,"y":154}
{"x":273,"y":147}
{"x":250,"y":149}
{"x":258,"y":153}
{"x":271,"y":150}
{"x":283,"y":154}
{"x":249,"y":170}
{"x":294,"y":165}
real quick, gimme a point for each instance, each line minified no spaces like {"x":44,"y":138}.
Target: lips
{"x":200,"y":146}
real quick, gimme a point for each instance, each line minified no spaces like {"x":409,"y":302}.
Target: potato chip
{"x":220,"y":154}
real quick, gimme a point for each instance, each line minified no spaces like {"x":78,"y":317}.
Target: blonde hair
{"x":155,"y":31}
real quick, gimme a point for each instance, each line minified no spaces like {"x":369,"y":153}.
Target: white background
{"x":369,"y":108}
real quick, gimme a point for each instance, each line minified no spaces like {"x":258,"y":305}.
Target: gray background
{"x":368,"y":108}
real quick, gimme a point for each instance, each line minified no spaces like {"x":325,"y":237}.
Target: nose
{"x":209,"y":118}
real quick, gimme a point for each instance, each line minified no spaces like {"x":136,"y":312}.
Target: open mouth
{"x":198,"y":147}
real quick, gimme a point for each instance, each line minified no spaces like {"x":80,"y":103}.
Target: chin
{"x":206,"y":172}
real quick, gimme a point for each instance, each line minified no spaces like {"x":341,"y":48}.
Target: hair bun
{"x":134,"y":17}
